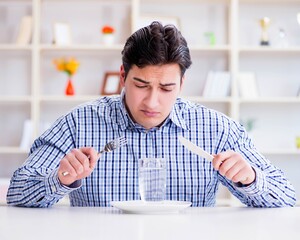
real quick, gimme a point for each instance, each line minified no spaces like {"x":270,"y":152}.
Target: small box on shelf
{"x":62,"y":34}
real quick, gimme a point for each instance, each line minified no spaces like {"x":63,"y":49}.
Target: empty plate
{"x":150,"y":207}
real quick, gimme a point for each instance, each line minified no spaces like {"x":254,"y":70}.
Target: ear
{"x":122,"y":76}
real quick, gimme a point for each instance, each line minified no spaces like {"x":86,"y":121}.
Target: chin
{"x":148,"y":125}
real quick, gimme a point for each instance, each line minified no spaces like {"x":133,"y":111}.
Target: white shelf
{"x":15,"y":99}
{"x":217,"y":48}
{"x":269,"y":1}
{"x":257,"y":49}
{"x":29,"y":69}
{"x":14,"y":47}
{"x":63,"y":99}
{"x":12,"y":150}
{"x":262,"y":100}
{"x":281,"y":152}
{"x":82,"y":47}
{"x":102,"y":2}
{"x":208,"y":100}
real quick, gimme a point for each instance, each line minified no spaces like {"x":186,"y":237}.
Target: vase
{"x":69,"y":88}
{"x":108,"y":39}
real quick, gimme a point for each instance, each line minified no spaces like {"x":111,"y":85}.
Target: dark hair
{"x":156,"y":45}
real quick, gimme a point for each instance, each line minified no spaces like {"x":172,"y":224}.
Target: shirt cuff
{"x":259,"y":186}
{"x":55,"y":188}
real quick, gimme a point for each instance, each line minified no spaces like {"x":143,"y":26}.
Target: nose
{"x":152,"y":99}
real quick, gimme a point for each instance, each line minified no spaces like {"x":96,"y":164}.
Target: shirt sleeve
{"x":32,"y":188}
{"x":270,"y":188}
{"x":36,"y":183}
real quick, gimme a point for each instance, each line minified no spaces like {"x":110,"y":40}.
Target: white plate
{"x":150,"y":207}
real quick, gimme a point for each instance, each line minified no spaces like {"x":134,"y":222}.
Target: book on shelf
{"x":27,"y":136}
{"x":217,"y":84}
{"x":25,"y":31}
{"x":247,"y":85}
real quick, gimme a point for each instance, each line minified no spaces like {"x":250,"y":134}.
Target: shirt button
{"x":53,"y":188}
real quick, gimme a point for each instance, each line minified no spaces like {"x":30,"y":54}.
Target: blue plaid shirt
{"x":115,"y":178}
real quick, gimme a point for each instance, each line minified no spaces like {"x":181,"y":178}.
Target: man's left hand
{"x":234,"y":167}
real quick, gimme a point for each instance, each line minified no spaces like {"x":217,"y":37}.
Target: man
{"x":151,"y":116}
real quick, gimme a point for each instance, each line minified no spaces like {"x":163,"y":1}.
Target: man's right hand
{"x":78,"y":163}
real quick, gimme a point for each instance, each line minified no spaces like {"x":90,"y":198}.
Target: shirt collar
{"x":124,"y":119}
{"x":176,"y":115}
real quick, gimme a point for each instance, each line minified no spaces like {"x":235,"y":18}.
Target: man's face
{"x":151,"y":92}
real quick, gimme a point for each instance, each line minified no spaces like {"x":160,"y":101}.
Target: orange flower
{"x":68,"y":66}
{"x":107,"y":29}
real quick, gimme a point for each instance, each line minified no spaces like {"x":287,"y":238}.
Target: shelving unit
{"x":33,"y":89}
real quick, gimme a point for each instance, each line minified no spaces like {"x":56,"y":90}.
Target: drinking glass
{"x":152,"y":179}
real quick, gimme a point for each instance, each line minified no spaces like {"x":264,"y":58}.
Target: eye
{"x":167,"y":89}
{"x":141,"y":86}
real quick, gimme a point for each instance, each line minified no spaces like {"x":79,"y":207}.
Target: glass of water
{"x":152,"y":179}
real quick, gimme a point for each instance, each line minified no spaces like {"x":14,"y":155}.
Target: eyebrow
{"x":147,"y":82}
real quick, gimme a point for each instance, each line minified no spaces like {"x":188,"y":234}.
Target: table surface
{"x":64,"y":222}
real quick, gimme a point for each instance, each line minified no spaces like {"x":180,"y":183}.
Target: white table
{"x":63,"y":222}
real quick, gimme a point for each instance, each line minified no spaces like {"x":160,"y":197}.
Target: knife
{"x":195,"y":149}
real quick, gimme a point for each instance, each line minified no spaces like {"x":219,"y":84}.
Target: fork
{"x":110,"y":146}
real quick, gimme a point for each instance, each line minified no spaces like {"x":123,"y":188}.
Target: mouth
{"x":150,"y":113}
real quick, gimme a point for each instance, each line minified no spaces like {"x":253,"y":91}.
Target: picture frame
{"x":62,"y":34}
{"x":146,"y":19}
{"x":111,"y":84}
